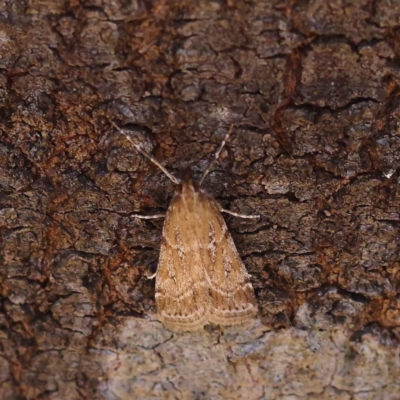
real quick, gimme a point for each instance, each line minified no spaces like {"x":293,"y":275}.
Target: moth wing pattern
{"x":181,"y":295}
{"x":200,"y":277}
{"x":232,"y":294}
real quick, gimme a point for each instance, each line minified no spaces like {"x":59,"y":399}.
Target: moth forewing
{"x":201,"y":278}
{"x":230,"y":289}
{"x":181,"y":298}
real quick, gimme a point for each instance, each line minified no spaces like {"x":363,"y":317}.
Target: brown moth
{"x":200,"y":277}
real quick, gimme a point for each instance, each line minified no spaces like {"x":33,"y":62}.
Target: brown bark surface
{"x":314,"y":89}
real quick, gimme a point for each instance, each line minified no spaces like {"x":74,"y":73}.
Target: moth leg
{"x":239,"y":215}
{"x":148,"y":216}
{"x":152,"y":276}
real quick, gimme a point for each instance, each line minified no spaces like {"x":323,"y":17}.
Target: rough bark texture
{"x":313,"y":87}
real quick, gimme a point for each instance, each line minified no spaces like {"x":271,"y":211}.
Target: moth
{"x":200,"y":277}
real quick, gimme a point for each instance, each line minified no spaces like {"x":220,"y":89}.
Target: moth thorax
{"x":188,"y":185}
{"x":188,"y":188}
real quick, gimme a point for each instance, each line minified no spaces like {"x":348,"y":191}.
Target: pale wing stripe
{"x":181,"y":296}
{"x":237,"y":313}
{"x":229,"y":293}
{"x":185,"y":317}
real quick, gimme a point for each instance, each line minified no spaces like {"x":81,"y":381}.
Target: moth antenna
{"x":217,"y":154}
{"x":155,"y":216}
{"x":142,"y":151}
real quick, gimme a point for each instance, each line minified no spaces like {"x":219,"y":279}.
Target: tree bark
{"x":313,"y":89}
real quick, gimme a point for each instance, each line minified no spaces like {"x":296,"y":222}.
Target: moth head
{"x":187,"y":181}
